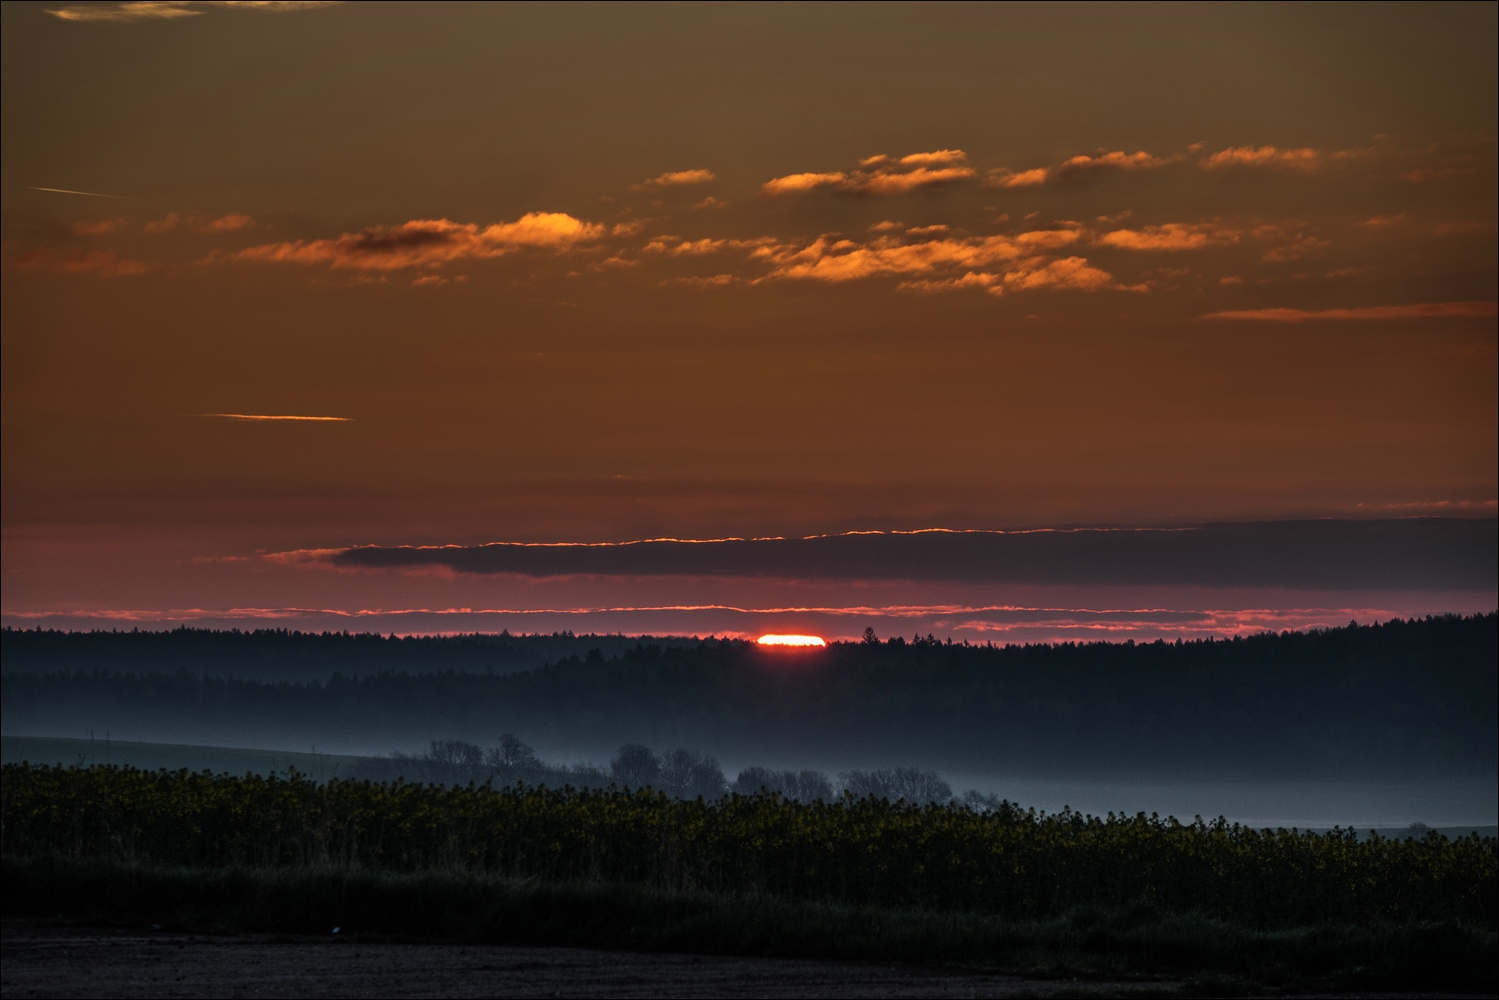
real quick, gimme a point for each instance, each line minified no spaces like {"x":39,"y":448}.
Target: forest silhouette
{"x":1399,"y":699}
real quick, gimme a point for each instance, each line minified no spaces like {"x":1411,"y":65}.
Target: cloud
{"x":1081,"y":164}
{"x":96,"y":228}
{"x":1423,"y":174}
{"x":1009,"y":179}
{"x":276,"y":416}
{"x":996,"y":264}
{"x":675,"y":246}
{"x":1403,"y":553}
{"x":1304,"y":158}
{"x":1169,"y":237}
{"x":802,"y":183}
{"x":973,"y":279}
{"x":427,"y":243}
{"x":103,"y":263}
{"x":881,"y":175}
{"x":1071,"y":273}
{"x":164,"y":10}
{"x":1294,"y":248}
{"x":678,"y":178}
{"x":228,"y":223}
{"x":1420,"y":310}
{"x":940,"y":158}
{"x":179,"y":220}
{"x":1117,"y":160}
{"x":708,"y":281}
{"x":830,"y":259}
{"x":882,"y":183}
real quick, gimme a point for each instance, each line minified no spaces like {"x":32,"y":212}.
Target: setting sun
{"x":790,"y":640}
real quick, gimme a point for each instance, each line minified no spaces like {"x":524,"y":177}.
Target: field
{"x":864,"y":879}
{"x":47,"y":750}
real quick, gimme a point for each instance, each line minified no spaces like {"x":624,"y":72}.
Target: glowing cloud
{"x":1263,"y":156}
{"x":428,"y":243}
{"x":1010,"y":179}
{"x":678,"y":178}
{"x":880,"y":175}
{"x":1117,"y":160}
{"x":1171,"y":236}
{"x":801,"y":183}
{"x":1022,"y":259}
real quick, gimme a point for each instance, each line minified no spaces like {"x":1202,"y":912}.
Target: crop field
{"x":757,"y":875}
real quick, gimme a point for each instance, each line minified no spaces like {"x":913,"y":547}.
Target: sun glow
{"x":790,"y":640}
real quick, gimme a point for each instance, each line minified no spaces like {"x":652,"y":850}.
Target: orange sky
{"x":600,"y":273}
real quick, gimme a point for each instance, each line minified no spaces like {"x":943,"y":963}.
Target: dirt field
{"x":59,"y":963}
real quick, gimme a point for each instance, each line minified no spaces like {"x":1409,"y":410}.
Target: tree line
{"x":679,"y":774}
{"x":1402,"y":699}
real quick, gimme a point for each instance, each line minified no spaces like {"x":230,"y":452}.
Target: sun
{"x":790,"y":640}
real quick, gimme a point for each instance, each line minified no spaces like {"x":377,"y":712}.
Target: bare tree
{"x":512,"y":761}
{"x":689,"y":775}
{"x":898,"y":784}
{"x":799,"y":786}
{"x":634,"y":766}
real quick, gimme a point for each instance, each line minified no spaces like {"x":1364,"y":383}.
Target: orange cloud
{"x":428,"y":243}
{"x":1117,"y":160}
{"x":710,"y":281}
{"x":801,"y":183}
{"x":1009,"y":179}
{"x":1295,"y":248}
{"x":1420,"y":310}
{"x":227,"y":223}
{"x":880,"y":175}
{"x":196,"y":223}
{"x":1020,"y":261}
{"x":1264,"y":156}
{"x":1068,"y":273}
{"x":939,"y":158}
{"x":1031,"y":274}
{"x":1169,"y":237}
{"x":678,"y":178}
{"x":677,"y":247}
{"x":96,"y":228}
{"x":882,"y":183}
{"x":103,"y":263}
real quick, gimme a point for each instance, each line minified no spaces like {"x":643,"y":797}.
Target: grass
{"x":1139,"y":941}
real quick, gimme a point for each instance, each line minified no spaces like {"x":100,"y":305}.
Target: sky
{"x":571,"y":276}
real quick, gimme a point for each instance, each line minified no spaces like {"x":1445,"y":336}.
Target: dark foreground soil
{"x":71,"y":962}
{"x":43,"y":962}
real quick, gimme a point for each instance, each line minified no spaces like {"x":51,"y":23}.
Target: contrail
{"x":89,"y":194}
{"x":268,"y":416}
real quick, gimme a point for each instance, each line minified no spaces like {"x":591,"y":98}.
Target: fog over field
{"x":1367,"y":725}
